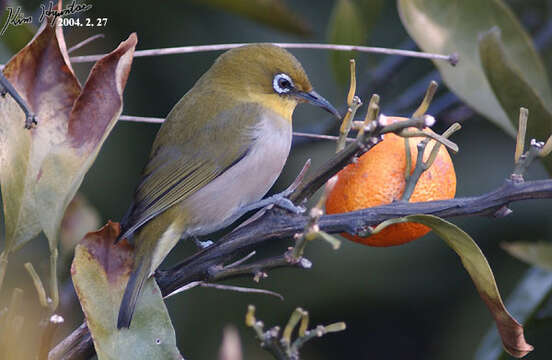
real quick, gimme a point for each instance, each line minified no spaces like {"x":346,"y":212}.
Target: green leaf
{"x":514,"y":91}
{"x":448,"y":26}
{"x":345,"y":27}
{"x":273,"y":13}
{"x":100,"y":272}
{"x":538,"y":254}
{"x":482,"y":276}
{"x":524,"y":302}
{"x":41,"y":169}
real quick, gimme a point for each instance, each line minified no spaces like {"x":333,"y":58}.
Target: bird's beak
{"x":314,"y":98}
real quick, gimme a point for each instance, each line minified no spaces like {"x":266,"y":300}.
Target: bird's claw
{"x":202,"y":244}
{"x":287,"y":204}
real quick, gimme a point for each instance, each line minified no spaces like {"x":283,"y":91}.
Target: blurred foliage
{"x":538,"y":254}
{"x":350,"y":24}
{"x":346,"y":27}
{"x":454,"y":26}
{"x":518,"y":91}
{"x":273,"y":13}
{"x":405,"y":302}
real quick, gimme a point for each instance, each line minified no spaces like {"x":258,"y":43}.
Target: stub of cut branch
{"x":284,"y":348}
{"x":522,"y":130}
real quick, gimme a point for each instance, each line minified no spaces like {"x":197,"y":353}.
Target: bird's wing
{"x":177,"y":171}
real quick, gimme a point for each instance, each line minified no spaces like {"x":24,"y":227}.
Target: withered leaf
{"x":100,"y":272}
{"x":41,"y":169}
{"x":475,"y":263}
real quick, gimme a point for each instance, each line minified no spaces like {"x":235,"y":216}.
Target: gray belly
{"x":218,"y":204}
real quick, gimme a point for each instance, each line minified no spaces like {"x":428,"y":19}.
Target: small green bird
{"x":219,"y":151}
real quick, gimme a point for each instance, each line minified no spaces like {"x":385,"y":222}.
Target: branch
{"x":275,"y":224}
{"x":452,"y":59}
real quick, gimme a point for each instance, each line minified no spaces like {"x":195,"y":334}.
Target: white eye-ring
{"x":282,"y":83}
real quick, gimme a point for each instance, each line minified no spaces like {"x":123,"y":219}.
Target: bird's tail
{"x":132,"y":293}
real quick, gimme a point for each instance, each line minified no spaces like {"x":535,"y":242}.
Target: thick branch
{"x":275,"y":224}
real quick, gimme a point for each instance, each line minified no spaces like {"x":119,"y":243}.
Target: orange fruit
{"x":377,"y":178}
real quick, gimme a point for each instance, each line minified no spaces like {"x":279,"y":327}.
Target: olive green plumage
{"x":221,"y":148}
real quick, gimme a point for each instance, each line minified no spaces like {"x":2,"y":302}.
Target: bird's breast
{"x":218,"y":203}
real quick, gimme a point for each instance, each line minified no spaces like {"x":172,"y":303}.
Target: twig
{"x":240,"y":261}
{"x":85,"y":42}
{"x":77,"y":346}
{"x":283,"y":349}
{"x":51,"y":326}
{"x":421,"y":165}
{"x":7,"y":87}
{"x":241,"y":289}
{"x":285,"y":260}
{"x":353,"y":103}
{"x":452,"y":59}
{"x":156,"y":120}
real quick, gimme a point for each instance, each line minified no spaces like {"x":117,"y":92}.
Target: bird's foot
{"x":202,"y":244}
{"x":279,"y":200}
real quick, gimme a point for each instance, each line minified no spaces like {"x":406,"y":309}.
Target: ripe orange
{"x":377,"y":178}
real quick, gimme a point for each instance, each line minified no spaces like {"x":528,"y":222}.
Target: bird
{"x":216,"y":155}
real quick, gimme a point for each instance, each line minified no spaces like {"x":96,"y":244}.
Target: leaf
{"x":448,"y":26}
{"x":273,"y":13}
{"x":345,"y":27}
{"x":523,"y":302}
{"x":538,"y":254}
{"x":513,"y":91}
{"x":41,"y":169}
{"x":100,"y":272}
{"x":482,"y":276}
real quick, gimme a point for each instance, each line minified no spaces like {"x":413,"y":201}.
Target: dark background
{"x":413,"y":301}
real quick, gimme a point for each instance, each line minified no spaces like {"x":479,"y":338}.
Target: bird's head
{"x":269,"y":75}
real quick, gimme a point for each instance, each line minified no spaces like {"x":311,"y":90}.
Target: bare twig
{"x":156,"y":120}
{"x":7,"y":88}
{"x":452,"y":59}
{"x":283,"y":348}
{"x":241,"y":289}
{"x":85,"y":42}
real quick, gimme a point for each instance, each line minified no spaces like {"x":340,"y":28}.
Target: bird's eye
{"x":282,"y":84}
